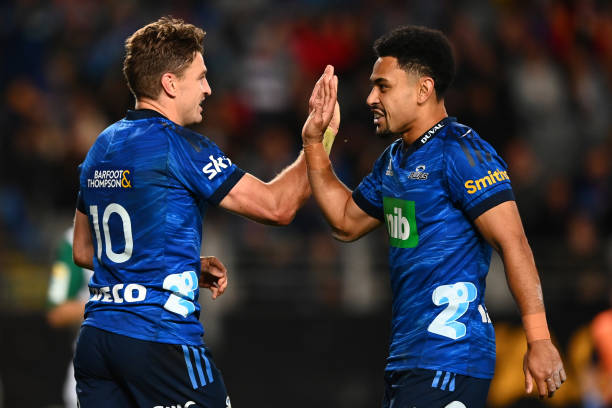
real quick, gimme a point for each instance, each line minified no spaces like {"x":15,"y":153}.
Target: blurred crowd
{"x":534,"y":78}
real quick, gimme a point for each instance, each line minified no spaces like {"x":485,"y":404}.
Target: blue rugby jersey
{"x":428,"y":194}
{"x":145,"y":186}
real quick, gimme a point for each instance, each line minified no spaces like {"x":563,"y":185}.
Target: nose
{"x":206,"y":88}
{"x":372,"y":98}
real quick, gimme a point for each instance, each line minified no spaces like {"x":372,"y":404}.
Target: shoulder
{"x":392,"y":149}
{"x":464,"y":142}
{"x":387,"y":155}
{"x":457,"y":133}
{"x":187,"y":137}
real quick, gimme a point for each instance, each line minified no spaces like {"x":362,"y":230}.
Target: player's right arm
{"x":277,"y":201}
{"x":82,"y":246}
{"x":347,"y":219}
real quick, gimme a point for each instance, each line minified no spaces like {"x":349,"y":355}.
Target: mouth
{"x":377,"y":116}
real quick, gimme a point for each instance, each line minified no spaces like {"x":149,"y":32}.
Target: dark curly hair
{"x":166,"y":45}
{"x":420,"y":50}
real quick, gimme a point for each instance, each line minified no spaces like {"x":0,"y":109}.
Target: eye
{"x":382,"y":87}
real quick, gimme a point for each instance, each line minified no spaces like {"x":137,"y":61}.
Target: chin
{"x":196,"y":119}
{"x":384,"y":133}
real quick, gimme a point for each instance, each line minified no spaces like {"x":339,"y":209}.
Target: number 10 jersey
{"x":428,"y":195}
{"x":145,"y":186}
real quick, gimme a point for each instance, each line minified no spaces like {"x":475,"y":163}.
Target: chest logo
{"x":418,"y":173}
{"x":401,"y":222}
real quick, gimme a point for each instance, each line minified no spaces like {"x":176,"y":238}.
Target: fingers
{"x":331,"y":96}
{"x":312,"y":102}
{"x":542,"y":388}
{"x":214,"y":276}
{"x":221,"y":285}
{"x":554,"y":381}
{"x":562,"y":375}
{"x":215,"y":292}
{"x":216,"y":267}
{"x":317,"y":96}
{"x":550,"y":384}
{"x":528,"y":382}
{"x":213,"y":266}
{"x":556,"y":378}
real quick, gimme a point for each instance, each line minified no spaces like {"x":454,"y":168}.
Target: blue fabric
{"x":415,"y":388}
{"x":429,"y":193}
{"x":194,"y":384}
{"x":145,"y":185}
{"x":112,"y":370}
{"x":198,"y":361}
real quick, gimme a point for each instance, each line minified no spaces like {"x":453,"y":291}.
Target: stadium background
{"x":305,"y":320}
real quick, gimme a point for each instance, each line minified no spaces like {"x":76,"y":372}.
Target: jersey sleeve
{"x":80,"y":204}
{"x":477,"y":176}
{"x":368,"y":194}
{"x":203,"y":168}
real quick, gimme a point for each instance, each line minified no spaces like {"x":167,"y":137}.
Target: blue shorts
{"x":112,"y":370}
{"x":418,"y":388}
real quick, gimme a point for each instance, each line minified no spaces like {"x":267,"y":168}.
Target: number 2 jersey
{"x":145,"y":186}
{"x":428,"y":195}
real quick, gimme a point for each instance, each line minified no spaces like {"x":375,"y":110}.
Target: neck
{"x":156,"y":105}
{"x":425,"y":122}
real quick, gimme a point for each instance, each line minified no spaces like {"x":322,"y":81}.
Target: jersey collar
{"x":138,"y":114}
{"x":423,"y":139}
{"x":427,"y":136}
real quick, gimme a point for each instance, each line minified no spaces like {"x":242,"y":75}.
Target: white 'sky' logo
{"x":216,"y":166}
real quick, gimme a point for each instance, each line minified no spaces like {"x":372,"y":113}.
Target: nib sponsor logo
{"x":401,"y":222}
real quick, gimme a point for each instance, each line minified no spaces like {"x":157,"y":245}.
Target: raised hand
{"x":321,"y":107}
{"x":213,"y":276}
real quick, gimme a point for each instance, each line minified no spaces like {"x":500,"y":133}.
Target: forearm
{"x":501,"y":226}
{"x":82,"y":245}
{"x":290,"y":189}
{"x":524,"y":283}
{"x":522,"y":276}
{"x":67,"y":313}
{"x":330,"y":193}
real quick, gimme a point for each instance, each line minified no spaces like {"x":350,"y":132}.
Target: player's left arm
{"x":82,"y":244}
{"x":501,"y":226}
{"x":66,"y":313}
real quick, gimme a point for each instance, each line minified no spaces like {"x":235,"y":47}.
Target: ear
{"x":169,"y":85}
{"x":425,"y":89}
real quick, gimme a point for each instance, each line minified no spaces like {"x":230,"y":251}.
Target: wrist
{"x":328,"y":139}
{"x":536,"y":327}
{"x":316,"y":157}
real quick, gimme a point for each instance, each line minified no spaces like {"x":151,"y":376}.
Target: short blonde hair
{"x":166,"y":45}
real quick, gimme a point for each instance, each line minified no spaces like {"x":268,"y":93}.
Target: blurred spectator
{"x":67,"y":295}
